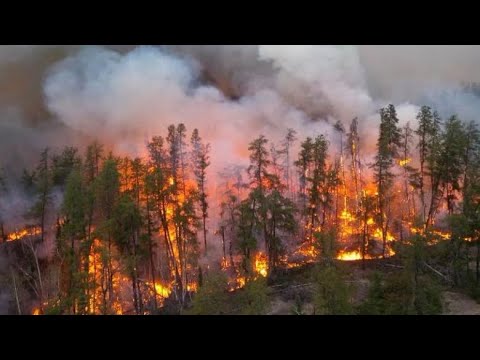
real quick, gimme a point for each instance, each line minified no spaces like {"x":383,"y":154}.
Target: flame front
{"x":20,"y":234}
{"x":350,"y":255}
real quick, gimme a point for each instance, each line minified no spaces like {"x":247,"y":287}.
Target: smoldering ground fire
{"x":146,"y":214}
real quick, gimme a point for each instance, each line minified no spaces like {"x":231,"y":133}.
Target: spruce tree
{"x":387,"y":149}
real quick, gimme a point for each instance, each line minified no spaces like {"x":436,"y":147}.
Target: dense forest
{"x":119,"y":235}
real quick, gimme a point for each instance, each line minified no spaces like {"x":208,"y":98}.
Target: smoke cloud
{"x":123,"y":95}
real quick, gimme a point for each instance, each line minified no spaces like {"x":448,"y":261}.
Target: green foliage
{"x":127,"y":222}
{"x":326,"y":245}
{"x":429,"y":298}
{"x":42,"y":186}
{"x":108,"y":187}
{"x":63,"y":164}
{"x":246,"y":239}
{"x":280,"y":219}
{"x":375,"y":302}
{"x":332,"y":294}
{"x":397,"y":294}
{"x":200,"y":162}
{"x":389,"y":141}
{"x":212,"y":298}
{"x":253,"y":298}
{"x":55,"y":309}
{"x":74,"y":205}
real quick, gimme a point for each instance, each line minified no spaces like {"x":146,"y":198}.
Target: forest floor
{"x":455,"y":303}
{"x":292,"y":294}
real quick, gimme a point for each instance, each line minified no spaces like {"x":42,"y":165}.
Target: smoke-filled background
{"x":122,"y":95}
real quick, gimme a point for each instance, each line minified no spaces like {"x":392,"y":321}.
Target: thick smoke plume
{"x":123,"y":95}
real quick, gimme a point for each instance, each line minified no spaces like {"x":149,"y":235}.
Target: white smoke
{"x":321,"y":78}
{"x":134,"y":96}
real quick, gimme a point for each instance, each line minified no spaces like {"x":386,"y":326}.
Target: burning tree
{"x":128,"y":229}
{"x":200,"y":162}
{"x":266,"y":207}
{"x":387,"y":149}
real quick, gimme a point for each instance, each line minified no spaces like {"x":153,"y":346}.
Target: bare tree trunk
{"x":16,"y":292}
{"x":41,"y":292}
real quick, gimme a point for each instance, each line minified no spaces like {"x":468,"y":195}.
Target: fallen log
{"x":395,"y":266}
{"x":444,"y":277}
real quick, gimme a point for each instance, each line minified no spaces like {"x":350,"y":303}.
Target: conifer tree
{"x":387,"y":149}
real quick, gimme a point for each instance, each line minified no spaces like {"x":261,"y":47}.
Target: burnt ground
{"x":292,"y":289}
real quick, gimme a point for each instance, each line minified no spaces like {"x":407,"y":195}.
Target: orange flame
{"x":36,"y":311}
{"x":261,"y":264}
{"x":350,"y":255}
{"x":30,"y":231}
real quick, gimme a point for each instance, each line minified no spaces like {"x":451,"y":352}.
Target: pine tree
{"x":43,"y":187}
{"x":353,"y":143}
{"x":387,"y":150}
{"x":91,"y":169}
{"x":318,"y":181}
{"x":410,"y":175}
{"x":200,"y":160}
{"x":287,"y":144}
{"x":127,"y":222}
{"x":434,"y":167}
{"x":108,"y":191}
{"x":452,"y":157}
{"x":424,"y":132}
{"x":341,"y":169}
{"x":63,"y":164}
{"x":271,"y":211}
{"x":259,"y":175}
{"x":365,"y":214}
{"x":303,"y":165}
{"x":71,"y":243}
{"x":280,"y":219}
{"x":161,"y":187}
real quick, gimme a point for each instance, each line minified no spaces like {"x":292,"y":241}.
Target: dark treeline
{"x":131,"y":232}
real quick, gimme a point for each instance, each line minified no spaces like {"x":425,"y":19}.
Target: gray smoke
{"x":123,"y":95}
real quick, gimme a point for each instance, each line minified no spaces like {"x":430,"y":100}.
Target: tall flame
{"x":261,"y":264}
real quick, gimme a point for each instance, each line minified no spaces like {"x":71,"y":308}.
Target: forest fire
{"x":350,"y":255}
{"x":163,"y":291}
{"x":20,"y":234}
{"x":149,"y":235}
{"x":183,"y":177}
{"x":261,"y":264}
{"x":378,"y":234}
{"x":36,"y":311}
